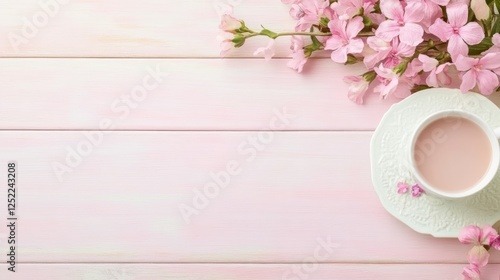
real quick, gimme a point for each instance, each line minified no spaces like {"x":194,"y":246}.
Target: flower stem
{"x":252,"y":35}
{"x":273,"y":35}
{"x":303,"y":33}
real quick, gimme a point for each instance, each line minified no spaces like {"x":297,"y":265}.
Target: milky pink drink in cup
{"x":454,"y":154}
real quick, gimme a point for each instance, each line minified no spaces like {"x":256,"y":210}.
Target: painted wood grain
{"x":127,"y":28}
{"x":243,"y":271}
{"x":299,"y":196}
{"x":184,"y":94}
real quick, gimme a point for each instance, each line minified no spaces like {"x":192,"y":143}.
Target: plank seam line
{"x":187,"y":130}
{"x":154,"y":57}
{"x":250,"y":263}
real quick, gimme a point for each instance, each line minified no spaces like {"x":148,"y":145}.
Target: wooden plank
{"x":196,"y":94}
{"x":128,"y":28}
{"x":243,"y":271}
{"x":122,"y":200}
{"x":192,"y":94}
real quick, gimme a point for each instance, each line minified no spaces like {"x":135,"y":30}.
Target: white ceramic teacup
{"x":415,"y":152}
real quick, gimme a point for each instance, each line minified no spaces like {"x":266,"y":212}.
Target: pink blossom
{"x":496,"y":243}
{"x":390,"y":53}
{"x":403,"y":187}
{"x":309,"y":12}
{"x":470,"y":235}
{"x":477,"y":236}
{"x":428,"y":63}
{"x":496,"y":39}
{"x":358,"y":87}
{"x":377,"y":51}
{"x":413,"y":69}
{"x":494,"y":49}
{"x":268,"y":51}
{"x":478,"y":256}
{"x":457,"y":31}
{"x":441,"y":2}
{"x":229,"y":23}
{"x":401,"y":22}
{"x":496,"y":44}
{"x":347,"y":9}
{"x":397,"y":52}
{"x":488,"y":234}
{"x":479,"y":72}
{"x":412,"y":78}
{"x":438,"y":76}
{"x":391,"y":83}
{"x":471,"y":272}
{"x":416,"y":191}
{"x":376,"y":18}
{"x":431,"y":10}
{"x":226,"y":42}
{"x":480,"y":9}
{"x":343,"y":40}
{"x":298,"y":56}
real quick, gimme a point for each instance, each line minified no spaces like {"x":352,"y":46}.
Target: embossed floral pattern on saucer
{"x":389,"y":148}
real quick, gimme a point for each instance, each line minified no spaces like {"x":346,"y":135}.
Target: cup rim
{"x":488,"y":175}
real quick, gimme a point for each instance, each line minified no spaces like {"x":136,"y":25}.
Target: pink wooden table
{"x":167,"y":119}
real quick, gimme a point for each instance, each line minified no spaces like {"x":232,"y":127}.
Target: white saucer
{"x":389,"y":144}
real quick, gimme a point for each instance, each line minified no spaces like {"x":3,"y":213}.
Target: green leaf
{"x":472,"y":17}
{"x":496,"y":26}
{"x":445,"y":15}
{"x":309,"y":49}
{"x":316,"y":42}
{"x":361,"y":12}
{"x":315,"y":46}
{"x":491,"y":11}
{"x":376,"y":8}
{"x":243,"y":28}
{"x":497,"y":4}
{"x":419,"y":88}
{"x":323,"y":22}
{"x":269,"y":33}
{"x":481,"y":47}
{"x":351,"y":59}
{"x":367,"y":21}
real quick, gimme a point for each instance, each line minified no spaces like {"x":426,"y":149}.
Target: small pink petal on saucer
{"x":416,"y":190}
{"x":403,"y":187}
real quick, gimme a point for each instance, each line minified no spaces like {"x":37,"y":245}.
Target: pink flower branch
{"x":458,"y":41}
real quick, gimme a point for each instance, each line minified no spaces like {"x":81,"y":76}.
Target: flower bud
{"x":351,"y":59}
{"x":480,"y":9}
{"x":400,"y":68}
{"x":230,"y":24}
{"x":238,"y":40}
{"x":370,"y":76}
